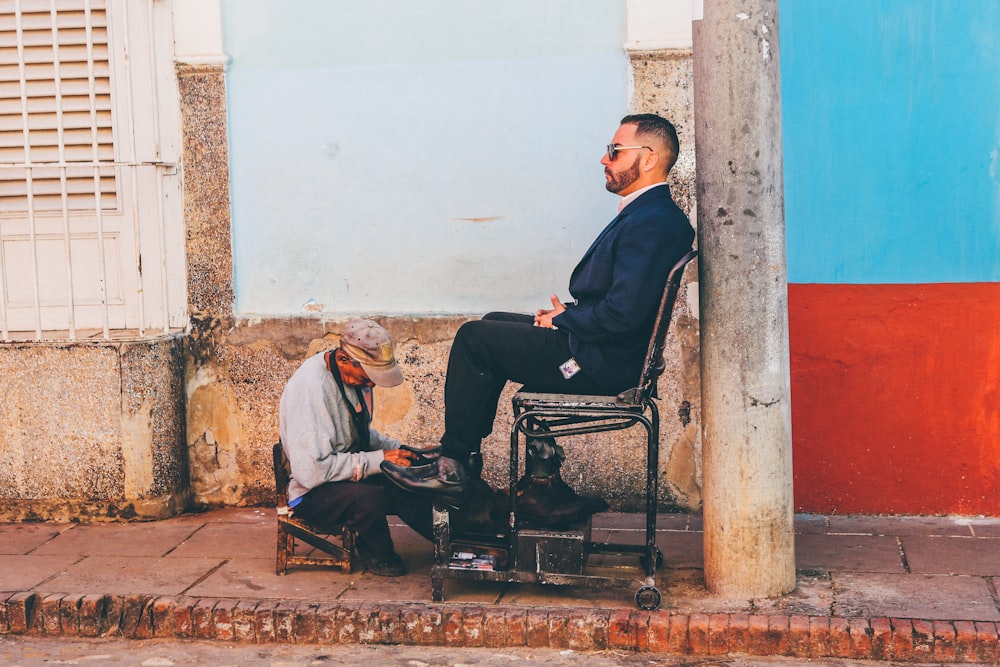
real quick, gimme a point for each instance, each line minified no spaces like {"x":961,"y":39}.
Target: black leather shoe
{"x":564,"y":493}
{"x":483,"y":513}
{"x":425,"y":455}
{"x":416,"y":470}
{"x":444,"y":479}
{"x":539,"y":504}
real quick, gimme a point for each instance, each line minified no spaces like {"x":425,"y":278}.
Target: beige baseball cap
{"x":371,"y":346}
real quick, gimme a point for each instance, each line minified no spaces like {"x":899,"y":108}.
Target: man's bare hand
{"x":400,"y":457}
{"x":543,"y":318}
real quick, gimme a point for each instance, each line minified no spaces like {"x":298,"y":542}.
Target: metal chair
{"x":559,"y":415}
{"x":559,"y":556}
{"x":292,"y":528}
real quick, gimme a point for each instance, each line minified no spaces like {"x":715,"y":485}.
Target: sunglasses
{"x":614,"y":149}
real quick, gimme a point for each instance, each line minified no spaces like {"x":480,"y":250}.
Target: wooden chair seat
{"x":292,"y":528}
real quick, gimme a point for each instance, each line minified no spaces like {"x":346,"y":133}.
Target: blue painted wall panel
{"x":433,"y":157}
{"x":891,"y":112}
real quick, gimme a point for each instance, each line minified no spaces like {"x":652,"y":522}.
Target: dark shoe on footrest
{"x":540,"y":504}
{"x":444,"y":479}
{"x":484,"y":511}
{"x":591,"y":504}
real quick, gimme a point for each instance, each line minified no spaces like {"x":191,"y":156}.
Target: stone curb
{"x":275,"y":621}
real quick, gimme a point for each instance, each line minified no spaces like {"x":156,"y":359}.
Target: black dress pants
{"x":362,"y":506}
{"x":488,"y":353}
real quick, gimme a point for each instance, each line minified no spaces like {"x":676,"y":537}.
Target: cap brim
{"x":386,"y":376}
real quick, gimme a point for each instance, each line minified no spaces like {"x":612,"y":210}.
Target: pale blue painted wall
{"x":418,"y":157}
{"x":891,"y":112}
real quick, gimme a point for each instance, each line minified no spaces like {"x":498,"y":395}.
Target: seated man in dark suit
{"x":594,"y":344}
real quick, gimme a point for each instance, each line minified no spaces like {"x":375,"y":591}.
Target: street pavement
{"x":891,"y":588}
{"x":31,"y":652}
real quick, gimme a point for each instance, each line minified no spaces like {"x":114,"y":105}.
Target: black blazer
{"x":618,"y":285}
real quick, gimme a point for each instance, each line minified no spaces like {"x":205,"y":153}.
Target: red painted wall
{"x":896,"y":398}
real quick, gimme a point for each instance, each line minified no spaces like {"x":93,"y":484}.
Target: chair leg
{"x":284,"y":544}
{"x":440,"y":517}
{"x":347,"y":540}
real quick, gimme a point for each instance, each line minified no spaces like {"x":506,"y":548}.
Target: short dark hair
{"x":659,"y":127}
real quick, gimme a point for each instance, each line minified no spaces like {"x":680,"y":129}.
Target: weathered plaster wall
{"x":237,"y":367}
{"x":233,"y":410}
{"x":92,"y":431}
{"x":663,"y":83}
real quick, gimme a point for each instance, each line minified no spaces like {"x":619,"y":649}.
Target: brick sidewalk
{"x":908,"y":589}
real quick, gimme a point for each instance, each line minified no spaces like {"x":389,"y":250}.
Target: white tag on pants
{"x":569,"y":368}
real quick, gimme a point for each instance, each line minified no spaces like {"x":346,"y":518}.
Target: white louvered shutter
{"x":81,"y":189}
{"x":61,"y":113}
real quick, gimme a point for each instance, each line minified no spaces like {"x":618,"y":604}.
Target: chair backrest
{"x":281,"y":474}
{"x":653,"y":365}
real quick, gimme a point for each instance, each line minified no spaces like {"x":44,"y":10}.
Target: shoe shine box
{"x":554,"y":551}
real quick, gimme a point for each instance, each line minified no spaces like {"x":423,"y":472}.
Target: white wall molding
{"x":654,"y":25}
{"x":198,"y":33}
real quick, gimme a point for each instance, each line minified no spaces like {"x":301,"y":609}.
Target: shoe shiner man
{"x":594,"y":344}
{"x":334,"y":454}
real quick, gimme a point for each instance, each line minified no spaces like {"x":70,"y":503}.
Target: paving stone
{"x":50,"y":617}
{"x":861,"y":643}
{"x":982,"y":527}
{"x":91,"y":614}
{"x":151,"y":538}
{"x":811,"y":524}
{"x":226,"y":540}
{"x":129,"y":575}
{"x":681,"y":549}
{"x":698,"y":634}
{"x":243,"y":621}
{"x":555,"y":597}
{"x":69,"y":615}
{"x":718,"y":634}
{"x":637,"y":522}
{"x":812,"y":596}
{"x":901,"y":647}
{"x":495,"y":628}
{"x":257,"y":515}
{"x":24,"y":573}
{"x":819,"y":637}
{"x":23,"y":538}
{"x":856,"y":553}
{"x":952,"y":555}
{"x":798,"y":635}
{"x":931,"y":597}
{"x":255,"y":578}
{"x":881,"y":635}
{"x":898,"y":525}
{"x":678,"y":641}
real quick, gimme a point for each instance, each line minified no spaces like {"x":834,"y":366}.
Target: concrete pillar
{"x":746,"y":410}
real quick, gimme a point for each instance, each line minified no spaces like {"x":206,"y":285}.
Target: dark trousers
{"x":363,"y":506}
{"x":488,"y":353}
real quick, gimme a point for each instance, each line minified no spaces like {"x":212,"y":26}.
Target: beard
{"x":618,"y":182}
